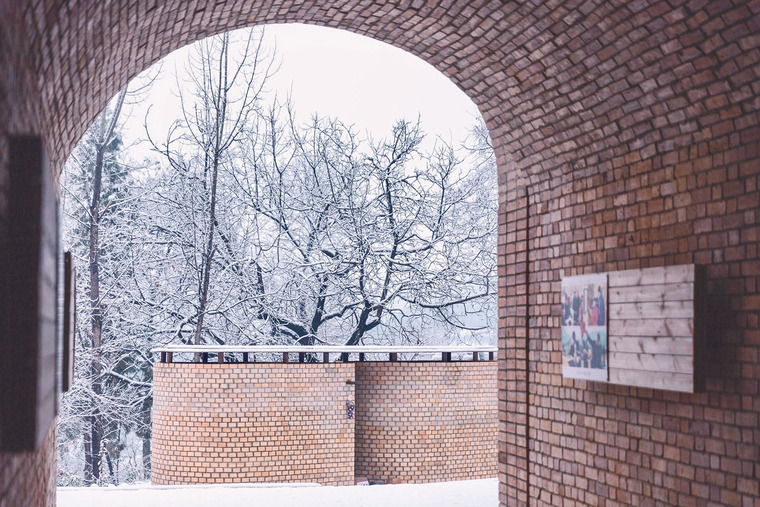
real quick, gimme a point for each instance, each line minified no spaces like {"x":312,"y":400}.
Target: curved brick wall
{"x":270,"y":422}
{"x":216,"y":423}
{"x":426,"y":422}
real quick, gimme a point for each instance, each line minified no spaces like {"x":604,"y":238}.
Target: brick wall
{"x":27,"y":479}
{"x":270,"y":422}
{"x":626,"y":135}
{"x":643,"y":150}
{"x":426,"y":421}
{"x":216,"y":423}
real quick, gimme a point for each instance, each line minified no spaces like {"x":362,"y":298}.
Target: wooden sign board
{"x":656,"y":328}
{"x":28,"y":298}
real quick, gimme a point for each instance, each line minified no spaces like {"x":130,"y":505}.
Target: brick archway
{"x":626,"y":136}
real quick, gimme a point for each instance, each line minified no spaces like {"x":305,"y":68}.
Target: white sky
{"x":361,"y":81}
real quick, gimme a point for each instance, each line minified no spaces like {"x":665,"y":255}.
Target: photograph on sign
{"x":584,"y":327}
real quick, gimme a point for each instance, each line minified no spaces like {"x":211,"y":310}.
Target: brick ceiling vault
{"x":564,"y":87}
{"x":84,"y":52}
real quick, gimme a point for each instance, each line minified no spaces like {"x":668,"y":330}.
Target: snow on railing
{"x":316,"y":353}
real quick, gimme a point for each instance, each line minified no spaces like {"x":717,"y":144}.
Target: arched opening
{"x":626,"y":138}
{"x":395,"y":180}
{"x":130,"y":43}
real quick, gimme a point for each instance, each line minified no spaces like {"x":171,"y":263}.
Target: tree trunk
{"x":96,"y":314}
{"x":96,"y":317}
{"x":146,"y":457}
{"x":220,"y":112}
{"x":209,"y":255}
{"x":88,"y":475}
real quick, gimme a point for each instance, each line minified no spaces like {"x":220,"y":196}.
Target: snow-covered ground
{"x":483,"y":492}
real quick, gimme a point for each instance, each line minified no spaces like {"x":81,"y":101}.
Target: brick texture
{"x":269,"y":422}
{"x":626,"y":136}
{"x":220,"y":423}
{"x":28,"y":479}
{"x":425,"y":422}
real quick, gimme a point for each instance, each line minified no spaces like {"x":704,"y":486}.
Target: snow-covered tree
{"x":278,"y":232}
{"x":349,"y":241}
{"x":200,"y":149}
{"x":248,"y":226}
{"x":106,"y":397}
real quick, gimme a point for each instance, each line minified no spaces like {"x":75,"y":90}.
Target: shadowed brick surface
{"x":424,"y":422}
{"x":28,"y":479}
{"x":626,"y":135}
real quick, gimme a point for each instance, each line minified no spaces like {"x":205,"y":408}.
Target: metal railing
{"x":323,"y":353}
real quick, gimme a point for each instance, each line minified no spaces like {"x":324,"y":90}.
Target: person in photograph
{"x":587,"y":352}
{"x":600,"y":305}
{"x":574,"y":352}
{"x":593,"y":319}
{"x":586,"y":345}
{"x":576,"y":307}
{"x":597,"y":360}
